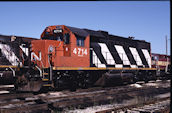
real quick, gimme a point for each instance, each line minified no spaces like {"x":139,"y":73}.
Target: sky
{"x":144,"y":20}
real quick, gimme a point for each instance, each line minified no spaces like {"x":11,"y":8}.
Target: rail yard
{"x":75,"y":70}
{"x":140,"y":97}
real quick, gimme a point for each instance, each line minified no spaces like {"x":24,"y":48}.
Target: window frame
{"x":66,"y":38}
{"x":80,"y":41}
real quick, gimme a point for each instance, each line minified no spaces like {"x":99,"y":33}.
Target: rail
{"x":61,"y":100}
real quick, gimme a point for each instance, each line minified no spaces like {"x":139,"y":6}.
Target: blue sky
{"x":144,"y":20}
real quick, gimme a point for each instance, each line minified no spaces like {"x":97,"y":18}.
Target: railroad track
{"x":158,"y":106}
{"x":82,"y":98}
{"x":6,"y":88}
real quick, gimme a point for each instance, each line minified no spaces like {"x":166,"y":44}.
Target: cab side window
{"x":66,"y":38}
{"x":80,"y":40}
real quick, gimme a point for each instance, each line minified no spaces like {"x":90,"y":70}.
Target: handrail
{"x":13,"y":71}
{"x":39,"y":70}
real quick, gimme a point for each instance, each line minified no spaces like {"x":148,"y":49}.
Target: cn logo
{"x":35,"y":57}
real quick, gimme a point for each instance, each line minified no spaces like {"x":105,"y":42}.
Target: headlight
{"x":57,"y":31}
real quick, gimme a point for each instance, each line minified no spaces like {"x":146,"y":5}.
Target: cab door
{"x":67,"y":45}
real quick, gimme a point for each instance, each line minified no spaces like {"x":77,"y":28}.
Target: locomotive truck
{"x":70,"y":57}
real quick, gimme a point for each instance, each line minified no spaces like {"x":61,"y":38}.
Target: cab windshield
{"x":58,"y":36}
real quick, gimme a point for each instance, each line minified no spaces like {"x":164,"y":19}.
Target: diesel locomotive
{"x":69,"y":57}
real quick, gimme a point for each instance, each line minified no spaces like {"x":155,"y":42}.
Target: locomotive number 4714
{"x":80,"y":51}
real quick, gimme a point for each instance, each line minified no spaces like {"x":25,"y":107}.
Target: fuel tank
{"x":117,"y":78}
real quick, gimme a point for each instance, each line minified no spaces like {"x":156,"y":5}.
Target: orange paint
{"x":61,"y":54}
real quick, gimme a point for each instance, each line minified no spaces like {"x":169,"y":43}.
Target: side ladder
{"x":47,"y":79}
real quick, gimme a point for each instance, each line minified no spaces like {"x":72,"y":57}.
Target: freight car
{"x":69,"y":57}
{"x":163,"y":65}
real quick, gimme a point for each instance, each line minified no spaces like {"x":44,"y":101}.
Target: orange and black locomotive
{"x":69,"y":57}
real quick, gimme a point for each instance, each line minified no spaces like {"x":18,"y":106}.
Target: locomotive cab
{"x":61,"y":46}
{"x":56,"y":34}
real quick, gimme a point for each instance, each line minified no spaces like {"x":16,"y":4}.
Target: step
{"x":47,"y":85}
{"x":45,"y":79}
{"x":45,"y":73}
